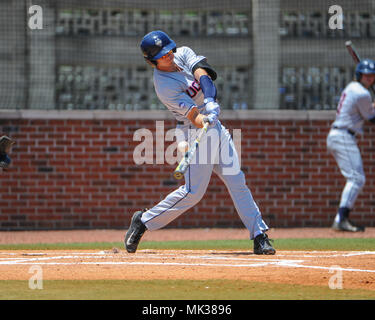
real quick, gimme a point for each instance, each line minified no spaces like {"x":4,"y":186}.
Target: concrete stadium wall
{"x":75,"y":170}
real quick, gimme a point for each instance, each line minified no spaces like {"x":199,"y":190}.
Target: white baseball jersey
{"x":179,"y":91}
{"x":354,"y":107}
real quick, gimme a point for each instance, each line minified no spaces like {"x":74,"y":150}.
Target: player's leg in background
{"x":345,"y":150}
{"x":229,"y":170}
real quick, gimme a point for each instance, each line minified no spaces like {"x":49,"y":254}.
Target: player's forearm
{"x":196,"y":118}
{"x":199,"y":121}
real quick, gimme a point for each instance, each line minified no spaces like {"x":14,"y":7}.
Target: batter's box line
{"x":218,"y":258}
{"x":19,"y":261}
{"x":265,"y":263}
{"x":327,"y":268}
{"x":38,"y":260}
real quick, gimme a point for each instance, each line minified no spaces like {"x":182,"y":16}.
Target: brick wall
{"x":81,"y":174}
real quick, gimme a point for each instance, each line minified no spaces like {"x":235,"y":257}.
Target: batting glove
{"x":212,"y":119}
{"x":212,"y":107}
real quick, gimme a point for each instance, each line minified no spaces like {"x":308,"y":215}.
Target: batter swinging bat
{"x":353,"y":52}
{"x":185,"y":161}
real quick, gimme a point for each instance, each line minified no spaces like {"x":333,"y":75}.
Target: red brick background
{"x":70,"y":174}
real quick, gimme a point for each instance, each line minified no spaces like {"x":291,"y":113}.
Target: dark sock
{"x":344,"y":213}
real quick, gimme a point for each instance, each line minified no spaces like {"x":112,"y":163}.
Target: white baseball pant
{"x":216,"y":152}
{"x":345,"y":150}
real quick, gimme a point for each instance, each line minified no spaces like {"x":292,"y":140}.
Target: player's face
{"x":368,"y":80}
{"x":166,"y":60}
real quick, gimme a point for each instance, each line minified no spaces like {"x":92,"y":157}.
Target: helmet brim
{"x":165,"y":50}
{"x":367,"y":71}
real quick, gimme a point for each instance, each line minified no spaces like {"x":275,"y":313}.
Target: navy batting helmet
{"x":156,"y":44}
{"x":366,"y":66}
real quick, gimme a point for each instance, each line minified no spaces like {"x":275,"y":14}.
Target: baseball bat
{"x":185,"y":161}
{"x":354,"y":54}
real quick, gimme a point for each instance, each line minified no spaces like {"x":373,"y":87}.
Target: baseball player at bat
{"x":355,"y":107}
{"x":183,"y":82}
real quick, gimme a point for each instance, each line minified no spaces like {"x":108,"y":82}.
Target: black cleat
{"x":135,"y":232}
{"x":262,"y":245}
{"x":347,"y":225}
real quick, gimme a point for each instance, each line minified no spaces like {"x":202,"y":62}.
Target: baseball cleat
{"x":347,"y":225}
{"x":135,"y":232}
{"x":262,"y":245}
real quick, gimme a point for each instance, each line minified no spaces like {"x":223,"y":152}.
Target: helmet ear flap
{"x":152,"y":63}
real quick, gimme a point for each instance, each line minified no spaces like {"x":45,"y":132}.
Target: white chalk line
{"x":20,"y":260}
{"x":99,"y":255}
{"x":278,"y":264}
{"x":149,"y":254}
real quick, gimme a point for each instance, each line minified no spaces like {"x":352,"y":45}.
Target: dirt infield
{"x":69,"y":236}
{"x":289,"y":267}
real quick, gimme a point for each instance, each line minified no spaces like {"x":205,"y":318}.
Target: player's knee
{"x":193,"y":195}
{"x":193,"y":198}
{"x":359,"y":180}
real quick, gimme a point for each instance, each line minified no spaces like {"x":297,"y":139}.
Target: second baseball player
{"x":354,"y":108}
